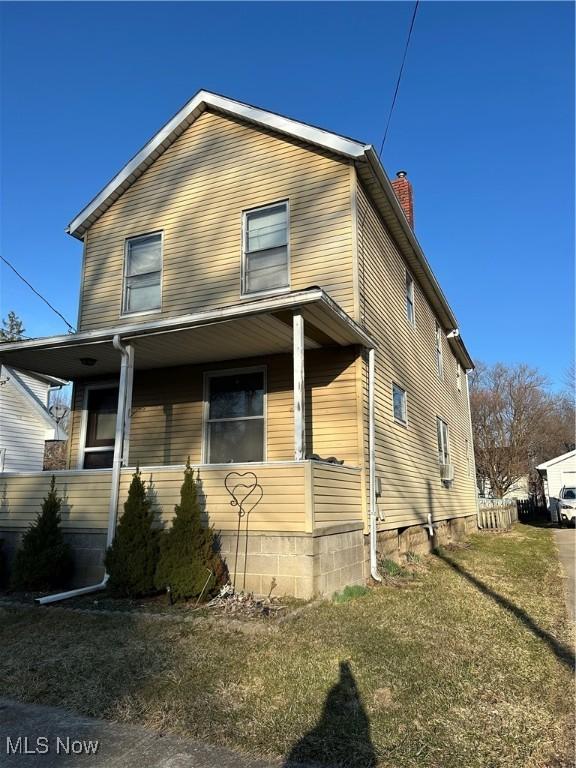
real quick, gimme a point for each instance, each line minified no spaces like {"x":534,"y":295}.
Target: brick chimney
{"x":403,"y":190}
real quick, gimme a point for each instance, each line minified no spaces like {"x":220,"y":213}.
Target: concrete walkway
{"x":566,"y":543}
{"x":60,"y":734}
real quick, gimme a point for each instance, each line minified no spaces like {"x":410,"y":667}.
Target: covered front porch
{"x":261,"y":442}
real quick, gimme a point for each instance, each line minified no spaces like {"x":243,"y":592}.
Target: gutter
{"x":120,"y":450}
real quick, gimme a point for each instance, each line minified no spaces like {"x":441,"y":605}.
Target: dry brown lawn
{"x":469,"y":666}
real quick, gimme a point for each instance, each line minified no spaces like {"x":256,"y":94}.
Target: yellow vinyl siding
{"x":407,"y":457}
{"x":195,"y":193}
{"x":87,"y":496}
{"x":337,"y":494}
{"x":167,"y":410}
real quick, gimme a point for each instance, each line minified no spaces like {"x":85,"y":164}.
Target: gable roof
{"x":364,"y":156}
{"x":556,"y":460}
{"x":31,"y":398}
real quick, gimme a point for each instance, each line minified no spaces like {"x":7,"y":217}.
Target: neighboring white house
{"x":557,"y":473}
{"x":25,"y":421}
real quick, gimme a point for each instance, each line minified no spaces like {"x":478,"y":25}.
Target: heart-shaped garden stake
{"x":245,"y":490}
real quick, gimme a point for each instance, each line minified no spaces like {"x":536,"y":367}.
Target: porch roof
{"x":248,"y":329}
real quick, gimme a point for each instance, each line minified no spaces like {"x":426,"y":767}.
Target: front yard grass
{"x":469,"y":665}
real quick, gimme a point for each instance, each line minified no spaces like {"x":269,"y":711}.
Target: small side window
{"x":443,"y":449}
{"x":439,"y":356}
{"x":399,"y":404}
{"x":410,"y":299}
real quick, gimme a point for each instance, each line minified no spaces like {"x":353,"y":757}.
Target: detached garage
{"x":556,"y":474}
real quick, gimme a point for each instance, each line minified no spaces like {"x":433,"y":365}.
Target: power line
{"x":60,"y":315}
{"x":399,"y":76}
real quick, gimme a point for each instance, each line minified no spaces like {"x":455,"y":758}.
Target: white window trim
{"x":84,"y":421}
{"x":402,"y":423}
{"x":408,"y":274}
{"x":458,"y":376}
{"x":446,"y":448}
{"x":438,"y":351}
{"x":272,"y":291}
{"x":206,"y":403}
{"x":123,"y":311}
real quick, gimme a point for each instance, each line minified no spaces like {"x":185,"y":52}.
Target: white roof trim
{"x":182,"y":119}
{"x":551,"y":462}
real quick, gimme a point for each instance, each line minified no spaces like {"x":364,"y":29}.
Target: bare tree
{"x":512,"y":419}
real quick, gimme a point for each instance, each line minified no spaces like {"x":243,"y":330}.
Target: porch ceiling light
{"x":88,"y":361}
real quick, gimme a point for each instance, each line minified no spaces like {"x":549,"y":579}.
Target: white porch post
{"x":299,"y":404}
{"x":122,"y":435}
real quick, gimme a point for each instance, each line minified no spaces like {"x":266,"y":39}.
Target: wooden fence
{"x":497,"y":514}
{"x":500,"y":514}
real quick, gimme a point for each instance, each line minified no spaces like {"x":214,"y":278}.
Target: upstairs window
{"x":265,"y":257}
{"x":142,"y":274}
{"x":410,"y":298}
{"x":443,"y":448}
{"x":399,"y":404}
{"x":439,"y":358}
{"x":458,"y":377}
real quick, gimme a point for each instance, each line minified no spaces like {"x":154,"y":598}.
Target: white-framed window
{"x":265,"y":249}
{"x":443,"y":446}
{"x":458,"y":377}
{"x":439,"y":356}
{"x":235,"y":416}
{"x":98,"y":427}
{"x":142,"y":274}
{"x":399,"y":405}
{"x":410,"y":313}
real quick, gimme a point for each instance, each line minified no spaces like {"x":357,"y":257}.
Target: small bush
{"x":131,"y":560}
{"x":391,"y":568}
{"x":350,"y":593}
{"x":190,"y":563}
{"x":44,"y":561}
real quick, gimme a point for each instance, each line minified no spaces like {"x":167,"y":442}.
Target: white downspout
{"x":120,"y":443}
{"x":372,"y":464}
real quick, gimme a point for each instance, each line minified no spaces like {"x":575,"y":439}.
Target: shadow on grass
{"x":342,"y":735}
{"x":562,"y":652}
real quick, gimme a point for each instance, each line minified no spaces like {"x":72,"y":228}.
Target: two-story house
{"x":253,"y":297}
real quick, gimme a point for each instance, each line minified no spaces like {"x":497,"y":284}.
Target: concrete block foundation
{"x":397,"y":543}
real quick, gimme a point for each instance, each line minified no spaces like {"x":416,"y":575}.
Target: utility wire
{"x":399,"y":77}
{"x":60,"y":315}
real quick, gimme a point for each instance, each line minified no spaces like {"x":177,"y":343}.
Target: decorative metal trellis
{"x":246,"y":493}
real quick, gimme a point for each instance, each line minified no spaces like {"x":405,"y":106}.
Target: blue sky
{"x":483,"y":125}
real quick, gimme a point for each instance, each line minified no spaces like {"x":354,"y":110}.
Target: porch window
{"x":410,"y":298}
{"x":142,"y":274}
{"x":235,"y":417}
{"x":101,"y":406}
{"x":265,"y":261}
{"x":443,"y":449}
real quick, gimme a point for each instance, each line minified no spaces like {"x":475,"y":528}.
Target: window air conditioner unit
{"x":447,"y":473}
